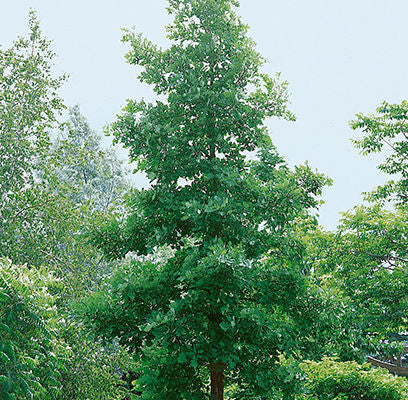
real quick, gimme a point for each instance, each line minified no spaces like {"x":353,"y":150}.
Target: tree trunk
{"x":217,"y":380}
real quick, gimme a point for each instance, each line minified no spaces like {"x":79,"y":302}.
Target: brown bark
{"x":217,"y":380}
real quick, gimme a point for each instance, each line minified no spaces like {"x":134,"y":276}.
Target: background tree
{"x":387,"y":128}
{"x":365,"y":260}
{"x":226,"y":300}
{"x":51,"y":194}
{"x":28,"y":109}
{"x":44,"y":353}
{"x":94,"y":176}
{"x":365,"y":264}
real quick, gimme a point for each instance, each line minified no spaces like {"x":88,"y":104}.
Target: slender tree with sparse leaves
{"x":29,"y":105}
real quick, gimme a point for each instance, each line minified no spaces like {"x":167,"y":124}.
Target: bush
{"x":44,"y":354}
{"x":333,"y":380}
{"x":31,"y":356}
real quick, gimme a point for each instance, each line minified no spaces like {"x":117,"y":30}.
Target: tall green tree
{"x":28,"y":109}
{"x":222,"y":306}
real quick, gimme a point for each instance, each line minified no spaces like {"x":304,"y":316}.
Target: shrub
{"x":333,"y":380}
{"x":45,"y":354}
{"x":31,"y":356}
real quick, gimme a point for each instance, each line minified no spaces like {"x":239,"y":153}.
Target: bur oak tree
{"x":223,"y":305}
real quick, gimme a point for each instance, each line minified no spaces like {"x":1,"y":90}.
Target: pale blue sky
{"x":340,"y":58}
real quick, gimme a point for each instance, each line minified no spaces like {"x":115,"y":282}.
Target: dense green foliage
{"x":365,"y":260}
{"x":333,"y":380}
{"x":31,"y":355}
{"x":278,"y":311}
{"x":44,"y":354}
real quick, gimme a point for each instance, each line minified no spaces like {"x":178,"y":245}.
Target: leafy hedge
{"x":333,"y":380}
